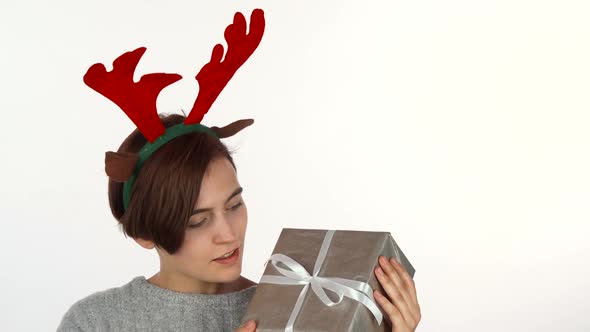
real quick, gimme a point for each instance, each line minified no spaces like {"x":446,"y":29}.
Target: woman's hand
{"x":401,"y":304}
{"x":249,"y":326}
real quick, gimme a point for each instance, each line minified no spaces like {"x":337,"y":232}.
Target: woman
{"x":173,"y":187}
{"x":189,"y":206}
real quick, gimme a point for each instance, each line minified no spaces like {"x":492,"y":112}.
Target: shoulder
{"x":85,"y":313}
{"x":79,"y":316}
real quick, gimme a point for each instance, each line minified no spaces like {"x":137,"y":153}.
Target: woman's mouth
{"x":229,"y":257}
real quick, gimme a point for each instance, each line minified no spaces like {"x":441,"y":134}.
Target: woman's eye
{"x":198,"y":224}
{"x":235,"y":207}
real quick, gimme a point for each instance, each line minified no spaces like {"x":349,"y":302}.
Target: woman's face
{"x":217,"y":226}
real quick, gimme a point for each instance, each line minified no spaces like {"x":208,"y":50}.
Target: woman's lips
{"x":230,"y":260}
{"x":232,"y":251}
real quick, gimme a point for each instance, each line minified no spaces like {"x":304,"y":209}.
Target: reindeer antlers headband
{"x":138,"y":100}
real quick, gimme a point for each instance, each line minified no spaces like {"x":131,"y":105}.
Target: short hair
{"x":167,"y":186}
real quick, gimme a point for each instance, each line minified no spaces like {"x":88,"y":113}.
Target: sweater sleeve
{"x":72,"y":321}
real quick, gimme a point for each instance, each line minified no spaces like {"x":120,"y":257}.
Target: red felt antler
{"x":137,"y":100}
{"x":215,"y":75}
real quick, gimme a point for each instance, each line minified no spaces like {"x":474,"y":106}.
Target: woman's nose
{"x":225,"y":231}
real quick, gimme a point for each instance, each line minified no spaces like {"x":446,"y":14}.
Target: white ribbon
{"x":297,"y":275}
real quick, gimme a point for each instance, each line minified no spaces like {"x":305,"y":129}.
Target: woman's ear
{"x":145,"y":243}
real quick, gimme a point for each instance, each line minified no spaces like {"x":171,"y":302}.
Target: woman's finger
{"x":409,"y":286}
{"x":405,"y":277}
{"x":249,"y":326}
{"x":395,"y":277}
{"x":407,"y":307}
{"x":395,"y":317}
{"x":395,"y":295}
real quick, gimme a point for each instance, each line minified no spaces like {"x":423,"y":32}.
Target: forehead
{"x":219,"y":181}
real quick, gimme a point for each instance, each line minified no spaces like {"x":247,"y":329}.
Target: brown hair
{"x":167,"y":186}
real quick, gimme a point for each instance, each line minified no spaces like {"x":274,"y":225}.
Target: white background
{"x":462,"y":127}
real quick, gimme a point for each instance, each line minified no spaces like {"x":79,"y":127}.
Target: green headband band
{"x":149,"y":148}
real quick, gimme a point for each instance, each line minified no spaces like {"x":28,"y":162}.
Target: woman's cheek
{"x":244,"y":213}
{"x":239,"y":220}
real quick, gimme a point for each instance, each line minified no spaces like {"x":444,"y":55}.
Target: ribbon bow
{"x":297,"y":275}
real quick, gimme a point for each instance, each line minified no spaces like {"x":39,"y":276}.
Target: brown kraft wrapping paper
{"x":351,"y":255}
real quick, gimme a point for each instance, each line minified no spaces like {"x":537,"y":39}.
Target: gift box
{"x":323,"y":281}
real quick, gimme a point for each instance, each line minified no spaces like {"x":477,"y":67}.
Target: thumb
{"x":249,"y":326}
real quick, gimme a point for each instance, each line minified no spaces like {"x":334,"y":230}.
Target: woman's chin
{"x":230,"y":275}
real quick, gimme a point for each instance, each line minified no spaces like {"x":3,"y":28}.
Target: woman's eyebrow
{"x":235,"y":193}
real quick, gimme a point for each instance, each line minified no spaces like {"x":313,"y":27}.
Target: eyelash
{"x":233,"y":208}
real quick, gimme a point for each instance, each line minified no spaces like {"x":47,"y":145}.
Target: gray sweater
{"x":141,"y":306}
